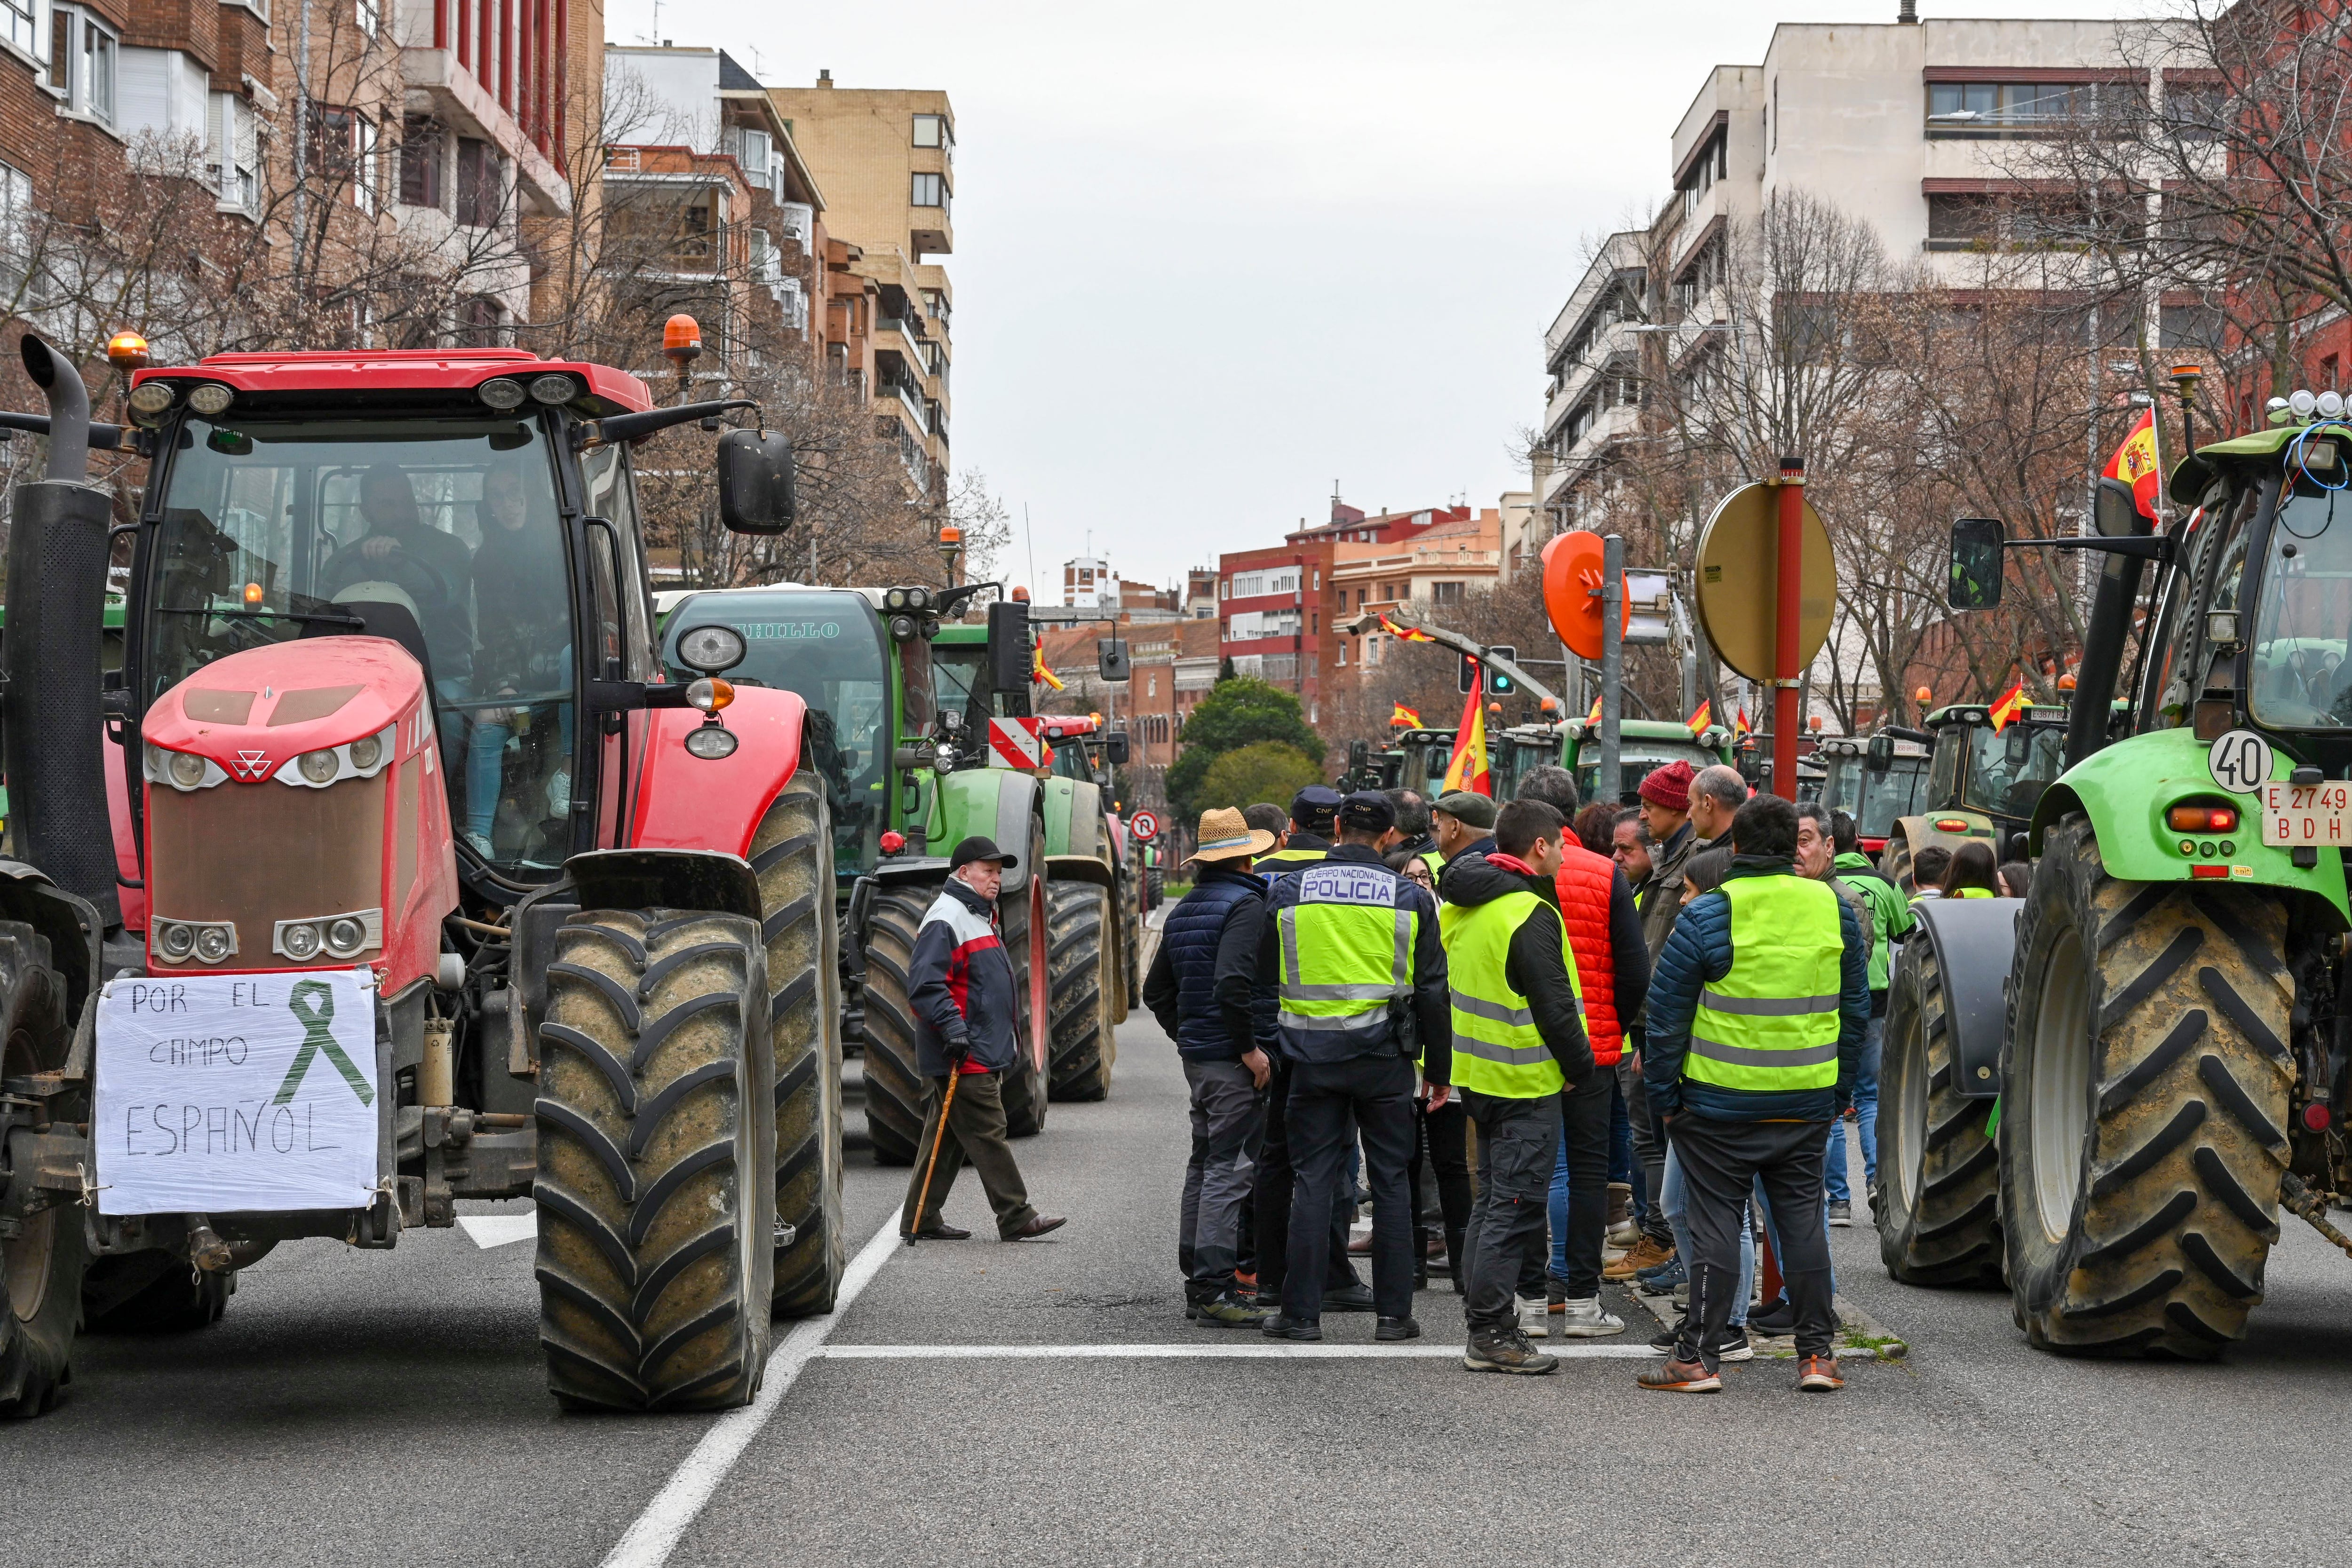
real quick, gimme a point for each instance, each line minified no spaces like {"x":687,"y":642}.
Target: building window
{"x":420,"y":161}
{"x":1342,"y":660}
{"x":371,"y":12}
{"x":1445,"y":593}
{"x":933,"y":131}
{"x":1974,"y":108}
{"x":478,"y":184}
{"x":1959,"y":223}
{"x":930,"y":190}
{"x":233,"y":153}
{"x":20,"y":24}
{"x":82,"y":62}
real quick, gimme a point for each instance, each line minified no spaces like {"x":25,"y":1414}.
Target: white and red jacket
{"x":961,"y":983}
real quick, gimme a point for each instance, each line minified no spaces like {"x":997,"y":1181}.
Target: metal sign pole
{"x":1790,"y":609}
{"x":1608,"y":784}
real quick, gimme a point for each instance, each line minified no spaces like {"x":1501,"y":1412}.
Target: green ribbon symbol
{"x":318,"y":1037}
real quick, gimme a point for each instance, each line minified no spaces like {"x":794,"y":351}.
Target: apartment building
{"x":1419,"y":576}
{"x":886,"y":157}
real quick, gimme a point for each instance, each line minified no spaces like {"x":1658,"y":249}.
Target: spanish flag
{"x":2134,"y":464}
{"x":1404,"y":719}
{"x":1594,"y":716}
{"x":2011,"y":707}
{"x":1739,"y":726}
{"x":1469,"y":769}
{"x":1698,"y":721}
{"x":1409,"y":635}
{"x":1037,"y":670}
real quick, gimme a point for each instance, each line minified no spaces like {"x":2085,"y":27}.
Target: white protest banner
{"x":222,"y":1094}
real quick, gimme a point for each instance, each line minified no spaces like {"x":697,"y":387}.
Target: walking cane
{"x":924,"y":1201}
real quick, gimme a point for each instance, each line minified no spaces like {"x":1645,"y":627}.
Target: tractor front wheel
{"x":1938,"y":1212}
{"x":2144,"y":1099}
{"x":1083,"y":970}
{"x":656,"y":1188}
{"x":41,"y":1264}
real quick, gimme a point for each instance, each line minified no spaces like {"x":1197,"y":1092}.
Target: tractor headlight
{"x":213,"y":944}
{"x":345,"y":936}
{"x":552,"y":389}
{"x":896,"y":599}
{"x":2302,"y":401}
{"x":365,"y":751}
{"x":210,"y":399}
{"x":321,"y":766}
{"x":711,"y":649}
{"x":187,"y":769}
{"x":501,"y":392}
{"x":173,"y":940}
{"x":151,"y":401}
{"x":2330,"y":404}
{"x":713,"y":742}
{"x":902,"y":628}
{"x":299,"y":941}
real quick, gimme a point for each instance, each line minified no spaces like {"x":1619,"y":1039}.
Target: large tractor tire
{"x":1083,"y":971}
{"x":791,"y":854}
{"x":1938,"y":1201}
{"x":1895,"y":860}
{"x":152,"y":1292}
{"x":41,"y":1266}
{"x":2144,"y":1094}
{"x":1129,"y":924}
{"x":894,"y":1088}
{"x":1023,"y":918}
{"x":656,"y":1158}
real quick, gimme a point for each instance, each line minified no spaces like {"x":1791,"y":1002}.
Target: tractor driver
{"x":400,"y":549}
{"x":522,"y":605}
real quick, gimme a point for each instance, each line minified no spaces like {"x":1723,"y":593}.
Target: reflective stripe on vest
{"x":1346,"y":948}
{"x":1497,"y":1049}
{"x":1771,"y":1025}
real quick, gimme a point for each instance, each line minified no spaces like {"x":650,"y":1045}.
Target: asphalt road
{"x":358,"y":1407}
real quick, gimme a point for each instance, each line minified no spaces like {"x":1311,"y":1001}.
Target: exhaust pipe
{"x":51,"y":726}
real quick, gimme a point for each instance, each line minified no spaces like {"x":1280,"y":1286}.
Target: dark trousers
{"x":1228,"y":1114}
{"x":1584,"y":1127}
{"x":1720,"y":1161}
{"x":975,"y":1132}
{"x":1518,"y":1142}
{"x":1270,"y":1199}
{"x":1376,"y":1092}
{"x":1649,"y":1147}
{"x":1442,"y":1151}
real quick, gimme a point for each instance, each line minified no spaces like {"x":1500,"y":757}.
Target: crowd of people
{"x":1608,"y":1042}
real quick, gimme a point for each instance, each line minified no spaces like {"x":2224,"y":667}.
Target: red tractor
{"x":394,"y":869}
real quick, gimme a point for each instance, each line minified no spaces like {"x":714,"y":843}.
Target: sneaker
{"x":1350,"y":1299}
{"x":1507,"y":1351}
{"x":1586,"y":1318}
{"x":1819,"y":1375}
{"x":1681,"y":1377}
{"x":1393,"y":1329}
{"x":558,"y":794}
{"x":1681,"y":1297}
{"x":1647,"y":1253}
{"x":1229,"y":1313}
{"x":1776,"y":1318}
{"x":1277,"y":1326}
{"x":1734,"y":1346}
{"x":1841,"y":1212}
{"x":481,"y":846}
{"x":1658,"y":1281}
{"x":1534,"y":1315}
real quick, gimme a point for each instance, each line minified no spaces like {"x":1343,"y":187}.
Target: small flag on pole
{"x":1702,"y":718}
{"x":1037,"y":670}
{"x":2010,"y":706}
{"x":2134,"y":464}
{"x":1405,"y":718}
{"x":1739,"y":726}
{"x":1406,"y":633}
{"x":1594,"y":716}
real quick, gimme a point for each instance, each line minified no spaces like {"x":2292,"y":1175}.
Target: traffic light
{"x":1466,"y":677}
{"x":1499,"y":684}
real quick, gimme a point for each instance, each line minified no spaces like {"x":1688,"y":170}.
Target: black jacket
{"x":1537,"y":964}
{"x":1247,"y":1012}
{"x":960,"y":982}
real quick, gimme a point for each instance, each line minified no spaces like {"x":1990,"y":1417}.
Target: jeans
{"x":1228,"y":1116}
{"x":1721,"y":1162}
{"x":1675,"y":1201}
{"x":1516,"y":1141}
{"x":1621,"y":1139}
{"x":1865,"y":1116}
{"x":1375,"y":1093}
{"x":486,"y":747}
{"x":1649,"y":1145}
{"x":1578,"y":1209}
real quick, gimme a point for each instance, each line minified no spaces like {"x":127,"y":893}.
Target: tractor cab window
{"x":1944,"y":765}
{"x":2010,"y":769}
{"x":829,"y":647}
{"x":439,"y":534}
{"x":1636,"y":760}
{"x":1889,"y":796}
{"x":2298,"y":675}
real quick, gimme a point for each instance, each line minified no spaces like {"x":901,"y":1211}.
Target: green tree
{"x":1240,"y":711}
{"x":1262,"y":770}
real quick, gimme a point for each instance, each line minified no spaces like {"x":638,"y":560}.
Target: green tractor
{"x":2104,"y":1094}
{"x":1875,"y":785}
{"x":1642,"y":747}
{"x":1983,"y":783}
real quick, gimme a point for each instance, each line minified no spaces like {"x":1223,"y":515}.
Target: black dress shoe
{"x":1397,"y":1329}
{"x":943,"y":1232}
{"x":1348,"y":1299}
{"x":1038,"y":1226}
{"x":1280,"y":1327}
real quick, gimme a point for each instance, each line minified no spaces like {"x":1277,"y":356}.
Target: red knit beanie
{"x":1669,"y":786}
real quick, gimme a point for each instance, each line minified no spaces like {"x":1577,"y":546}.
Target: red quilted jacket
{"x":1584,"y":881}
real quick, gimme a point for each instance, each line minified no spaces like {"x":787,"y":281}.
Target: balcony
{"x":796,"y":221}
{"x":467,"y":108}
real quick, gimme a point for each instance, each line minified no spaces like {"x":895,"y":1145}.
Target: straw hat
{"x":1224,"y":836}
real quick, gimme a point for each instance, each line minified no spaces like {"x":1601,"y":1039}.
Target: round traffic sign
{"x":1739,"y":578}
{"x":1571,"y":592}
{"x":1144,"y":826}
{"x":2240,"y":762}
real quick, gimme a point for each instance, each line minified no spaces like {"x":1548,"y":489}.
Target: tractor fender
{"x":685,"y":803}
{"x":2126,"y":789}
{"x":710,"y":880}
{"x":999,"y":802}
{"x":1972,"y":938}
{"x":1074,"y":818}
{"x":1920,"y":831}
{"x":1081,"y":868}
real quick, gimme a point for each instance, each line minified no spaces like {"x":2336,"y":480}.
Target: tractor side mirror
{"x":1114,"y":750}
{"x":1009,"y":653}
{"x":1976,"y":563}
{"x":1111,"y":662}
{"x":755,"y":481}
{"x":2116,"y":511}
{"x":1880,"y":756}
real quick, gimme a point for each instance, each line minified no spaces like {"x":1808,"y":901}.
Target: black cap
{"x":1315,"y":806}
{"x":1367,"y":811}
{"x":979,"y":847}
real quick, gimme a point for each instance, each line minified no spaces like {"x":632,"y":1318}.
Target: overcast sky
{"x":1212,"y":257}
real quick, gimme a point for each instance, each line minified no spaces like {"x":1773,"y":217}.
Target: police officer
{"x":1353,"y":951}
{"x":1518,"y":1039}
{"x":1311,"y":813}
{"x":1758,"y":1013}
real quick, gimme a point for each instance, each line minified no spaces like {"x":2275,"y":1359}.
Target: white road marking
{"x":658,"y":1530}
{"x":1595,"y":1350}
{"x":499,"y":1230}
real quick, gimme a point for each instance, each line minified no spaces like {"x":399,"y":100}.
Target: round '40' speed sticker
{"x":2240,"y":762}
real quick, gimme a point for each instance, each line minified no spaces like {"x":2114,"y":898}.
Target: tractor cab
{"x":1874,"y":784}
{"x":1644,"y":746}
{"x":1424,"y":755}
{"x":1519,"y":750}
{"x":1981,"y":783}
